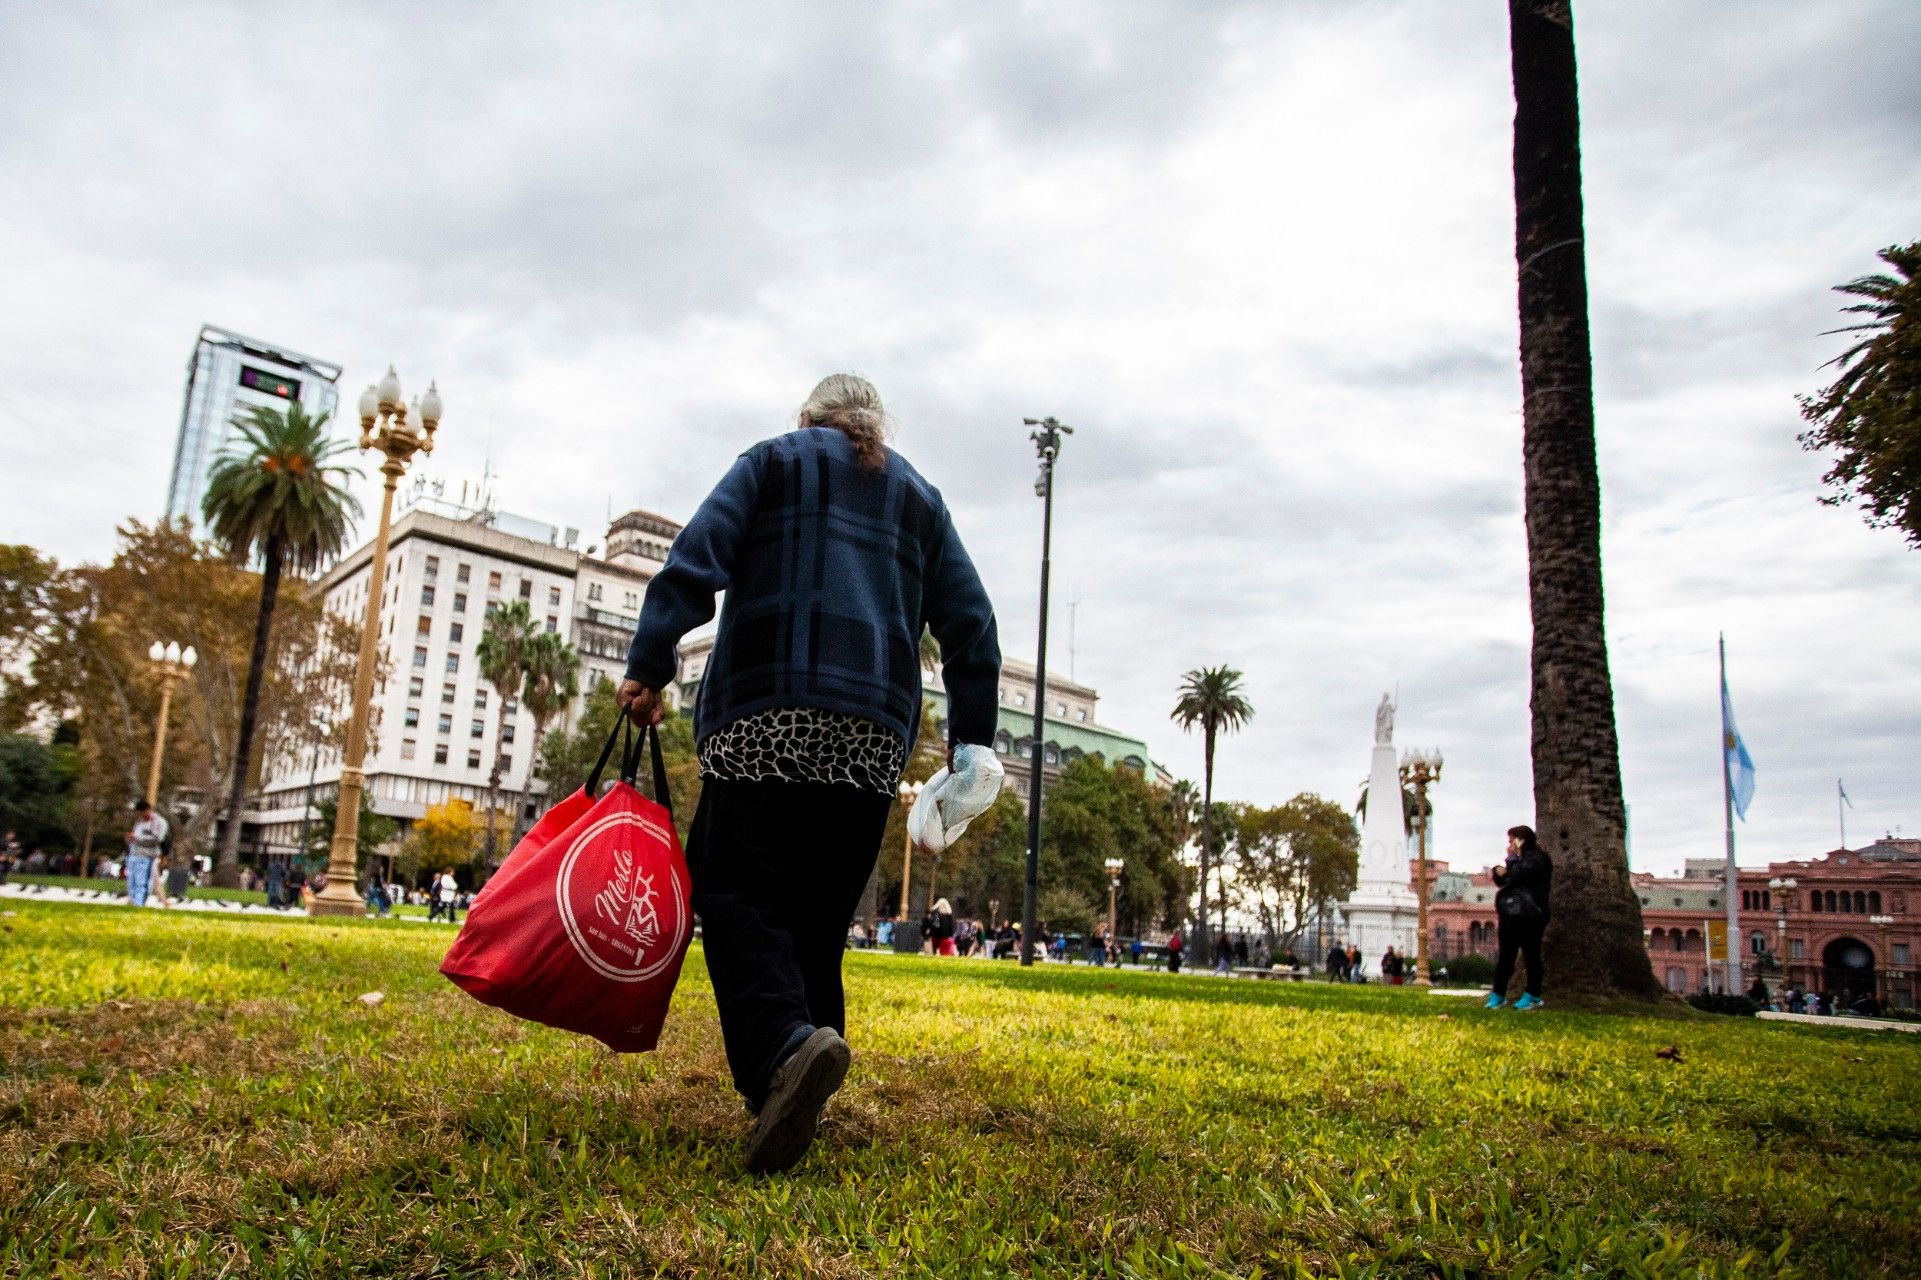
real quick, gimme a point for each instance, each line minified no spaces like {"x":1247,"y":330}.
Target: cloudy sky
{"x":1259,"y":255}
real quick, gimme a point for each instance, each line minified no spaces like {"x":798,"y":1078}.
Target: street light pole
{"x":1783,"y":887}
{"x":1047,"y":442}
{"x":1114,"y":866}
{"x":909,"y":793}
{"x":384,"y":425}
{"x":173,"y":662}
{"x":1420,"y":770}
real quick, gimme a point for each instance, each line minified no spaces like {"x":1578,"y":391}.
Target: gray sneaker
{"x":801,"y":1088}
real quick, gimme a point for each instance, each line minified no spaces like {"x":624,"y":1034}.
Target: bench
{"x":1276,"y":973}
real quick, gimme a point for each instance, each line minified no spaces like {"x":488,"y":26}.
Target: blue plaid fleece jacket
{"x":830,"y":572}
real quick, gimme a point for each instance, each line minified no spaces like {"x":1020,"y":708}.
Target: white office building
{"x":226,"y":373}
{"x":439,"y":729}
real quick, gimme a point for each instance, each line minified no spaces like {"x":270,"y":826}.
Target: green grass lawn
{"x":198,"y":893}
{"x":187,"y":1095}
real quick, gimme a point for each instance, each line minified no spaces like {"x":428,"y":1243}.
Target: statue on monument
{"x":1384,"y":722}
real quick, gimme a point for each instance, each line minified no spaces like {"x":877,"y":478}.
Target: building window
{"x":432,"y":569}
{"x":446,"y":724}
{"x":455,"y":632}
{"x":1020,"y":699}
{"x":1860,"y":903}
{"x":1051,"y":754}
{"x":493,"y":582}
{"x":493,"y":607}
{"x":1060,"y":708}
{"x":1758,"y":942}
{"x":414,"y":686}
{"x":1901,"y":953}
{"x":426,"y":625}
{"x":473,"y":759}
{"x":1003,"y":695}
{"x":526,"y":588}
{"x":479,"y":728}
{"x":1797,"y":949}
{"x":1874,"y":902}
{"x":553,"y":597}
{"x":1847,"y":902}
{"x":553,"y":624}
{"x":460,"y":574}
{"x":505,"y":764}
{"x":447,"y":692}
{"x":1814,"y":900}
{"x":512,"y":706}
{"x":440,"y":748}
{"x":427,"y":596}
{"x":460,"y":602}
{"x":480,"y":699}
{"x":593,"y":591}
{"x":413,"y":717}
{"x":631,"y":600}
{"x":453,"y":663}
{"x":1081,"y":716}
{"x":406,"y":748}
{"x":420,"y":657}
{"x":506,"y":731}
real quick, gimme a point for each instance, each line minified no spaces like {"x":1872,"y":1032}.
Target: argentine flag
{"x":1740,"y":765}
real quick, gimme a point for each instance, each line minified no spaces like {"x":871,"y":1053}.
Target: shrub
{"x":1470,"y":969}
{"x":1717,"y":1002}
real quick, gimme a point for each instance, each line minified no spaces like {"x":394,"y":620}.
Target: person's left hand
{"x":639,"y":703}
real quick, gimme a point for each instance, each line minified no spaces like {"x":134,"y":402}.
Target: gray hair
{"x":850,"y":404}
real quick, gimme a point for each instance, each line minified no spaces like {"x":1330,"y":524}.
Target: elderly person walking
{"x":834,"y":553}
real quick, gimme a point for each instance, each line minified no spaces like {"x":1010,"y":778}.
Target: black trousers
{"x":1523,"y":936}
{"x":778,"y":869}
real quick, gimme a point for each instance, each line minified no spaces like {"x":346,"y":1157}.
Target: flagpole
{"x":1840,"y":794}
{"x":1732,"y":886}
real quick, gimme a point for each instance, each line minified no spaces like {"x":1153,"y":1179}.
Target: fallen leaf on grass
{"x":1672,"y":1053}
{"x":372,"y":998}
{"x":1446,"y":1017}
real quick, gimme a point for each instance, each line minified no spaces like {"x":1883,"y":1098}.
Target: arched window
{"x":1874,"y":901}
{"x":1860,"y":903}
{"x":1831,"y":906}
{"x":1757,"y":942}
{"x":1814,"y":900}
{"x":1767,"y":900}
{"x":1847,"y":901}
{"x":1003,"y":743}
{"x":1051,"y":754}
{"x":1693,"y":940}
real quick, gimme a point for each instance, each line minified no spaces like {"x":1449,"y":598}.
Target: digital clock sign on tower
{"x":228,"y":374}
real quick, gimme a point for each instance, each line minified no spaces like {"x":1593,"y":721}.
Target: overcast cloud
{"x":1259,"y":255}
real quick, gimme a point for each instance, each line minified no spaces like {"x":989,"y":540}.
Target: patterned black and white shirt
{"x":804,"y":744}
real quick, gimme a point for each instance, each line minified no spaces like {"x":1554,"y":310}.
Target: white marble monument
{"x":1382,"y":911}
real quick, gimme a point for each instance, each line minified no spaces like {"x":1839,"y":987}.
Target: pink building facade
{"x":1847,"y":922}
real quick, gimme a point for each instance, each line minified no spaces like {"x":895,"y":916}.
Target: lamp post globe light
{"x":1782,"y":886}
{"x":1421,"y":770}
{"x":172,"y":662}
{"x":908,"y":792}
{"x":398,"y":432}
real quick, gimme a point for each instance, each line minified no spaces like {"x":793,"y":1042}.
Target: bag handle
{"x":630,"y":761}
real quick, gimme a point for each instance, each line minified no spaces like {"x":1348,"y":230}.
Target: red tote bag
{"x":585,"y":925}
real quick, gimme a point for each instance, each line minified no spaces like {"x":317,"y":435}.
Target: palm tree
{"x":1868,"y":414}
{"x":1211,"y":698}
{"x":504,"y":650}
{"x":272,"y":494}
{"x":552,"y":683}
{"x":1595,"y":940}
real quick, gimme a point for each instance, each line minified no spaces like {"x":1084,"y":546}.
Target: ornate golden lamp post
{"x":1113,"y":866}
{"x":909,"y":792}
{"x":1421,"y":770}
{"x":172,"y":662}
{"x":386,"y":425}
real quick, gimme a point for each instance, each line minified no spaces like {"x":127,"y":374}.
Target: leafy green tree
{"x":1096,"y":811}
{"x":552,"y":684}
{"x":1871,"y":414}
{"x":506,"y":647}
{"x":1290,"y":859}
{"x":1595,"y":939}
{"x":275,"y":497}
{"x":375,"y":831}
{"x":567,"y":756}
{"x":1211,"y":699}
{"x":35,"y":782}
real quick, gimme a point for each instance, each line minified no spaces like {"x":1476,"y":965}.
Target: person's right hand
{"x":639,"y":703}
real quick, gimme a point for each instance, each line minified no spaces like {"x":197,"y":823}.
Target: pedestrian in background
{"x":1521,"y":914}
{"x":144,"y":838}
{"x":1336,"y":964}
{"x":943,"y":931}
{"x":1175,"y":945}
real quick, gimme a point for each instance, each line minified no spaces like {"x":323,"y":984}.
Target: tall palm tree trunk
{"x":226,"y":871}
{"x":1594,"y":942}
{"x":493,"y":791}
{"x":521,"y":822}
{"x":1201,"y":948}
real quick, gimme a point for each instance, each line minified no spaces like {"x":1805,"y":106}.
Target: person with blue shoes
{"x":1521,"y":908}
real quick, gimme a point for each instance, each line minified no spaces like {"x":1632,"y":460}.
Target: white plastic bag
{"x":952,"y":799}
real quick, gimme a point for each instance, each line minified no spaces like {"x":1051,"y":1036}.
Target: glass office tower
{"x":227,"y":373}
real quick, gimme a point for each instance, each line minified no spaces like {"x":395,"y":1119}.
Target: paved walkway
{"x":1845,"y":1021}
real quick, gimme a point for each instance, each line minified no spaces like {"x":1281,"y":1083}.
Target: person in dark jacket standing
{"x":1521,"y":910}
{"x":834,"y":553}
